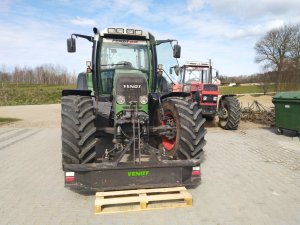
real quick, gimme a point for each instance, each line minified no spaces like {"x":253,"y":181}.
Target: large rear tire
{"x":78,"y":130}
{"x":186,"y":116}
{"x":230,"y":113}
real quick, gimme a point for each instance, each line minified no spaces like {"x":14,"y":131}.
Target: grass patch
{"x":4,"y":120}
{"x":30,"y":94}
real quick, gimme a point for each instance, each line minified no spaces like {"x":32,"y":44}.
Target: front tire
{"x":229,"y":113}
{"x":186,"y":117}
{"x":78,"y":130}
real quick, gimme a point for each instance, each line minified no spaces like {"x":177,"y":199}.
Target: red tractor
{"x":196,"y":79}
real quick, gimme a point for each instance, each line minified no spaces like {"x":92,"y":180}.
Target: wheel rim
{"x":167,"y":143}
{"x":224,"y":118}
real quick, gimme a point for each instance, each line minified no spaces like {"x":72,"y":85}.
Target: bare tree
{"x":279,"y":50}
{"x":295,"y":47}
{"x":45,"y":74}
{"x":273,"y":49}
{"x":4,"y":75}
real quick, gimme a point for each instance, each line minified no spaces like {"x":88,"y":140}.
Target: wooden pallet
{"x":142,"y":199}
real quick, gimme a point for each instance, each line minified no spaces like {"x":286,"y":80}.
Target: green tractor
{"x":123,"y":127}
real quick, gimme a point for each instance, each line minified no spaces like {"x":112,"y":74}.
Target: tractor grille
{"x":210,"y":87}
{"x":209,"y":98}
{"x":131,"y":87}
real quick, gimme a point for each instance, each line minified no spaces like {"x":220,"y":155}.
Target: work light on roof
{"x":129,"y":31}
{"x":111,"y":30}
{"x":120,"y":30}
{"x":138,"y":32}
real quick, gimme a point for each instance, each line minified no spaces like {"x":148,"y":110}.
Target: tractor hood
{"x":131,"y":84}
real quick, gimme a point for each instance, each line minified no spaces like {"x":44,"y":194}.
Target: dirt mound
{"x":247,"y":100}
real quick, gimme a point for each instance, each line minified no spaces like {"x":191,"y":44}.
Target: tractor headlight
{"x":120,"y":99}
{"x":144,"y":99}
{"x":204,"y":98}
{"x":215,"y":98}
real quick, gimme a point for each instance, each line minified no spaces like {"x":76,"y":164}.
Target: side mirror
{"x":176,"y":51}
{"x":71,"y":44}
{"x":176,"y":69}
{"x":159,"y":70}
{"x":217,"y":74}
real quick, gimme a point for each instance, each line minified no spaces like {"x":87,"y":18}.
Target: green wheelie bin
{"x":287,"y":111}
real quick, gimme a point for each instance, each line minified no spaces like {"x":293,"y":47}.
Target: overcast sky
{"x":35,"y":32}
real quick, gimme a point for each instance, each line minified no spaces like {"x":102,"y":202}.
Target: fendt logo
{"x":132,"y":86}
{"x":141,"y":173}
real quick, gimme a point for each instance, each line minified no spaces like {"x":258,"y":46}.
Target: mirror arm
{"x":158,"y":42}
{"x":89,"y":38}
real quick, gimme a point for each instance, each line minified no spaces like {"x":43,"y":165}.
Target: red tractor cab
{"x":196,"y":78}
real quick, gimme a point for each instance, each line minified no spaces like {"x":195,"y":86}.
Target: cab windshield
{"x":121,"y":53}
{"x":196,"y":74}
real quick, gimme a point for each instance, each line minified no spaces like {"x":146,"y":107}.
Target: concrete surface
{"x":249,"y":177}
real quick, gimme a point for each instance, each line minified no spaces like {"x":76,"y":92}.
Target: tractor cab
{"x":196,"y":79}
{"x":194,"y":75}
{"x":132,"y":51}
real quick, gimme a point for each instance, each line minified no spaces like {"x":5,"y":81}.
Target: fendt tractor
{"x":196,"y":78}
{"x":121,"y":129}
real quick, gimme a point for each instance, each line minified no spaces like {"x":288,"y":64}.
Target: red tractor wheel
{"x":186,"y":140}
{"x":169,"y":142}
{"x":229,"y":113}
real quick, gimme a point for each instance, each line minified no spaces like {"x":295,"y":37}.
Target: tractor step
{"x":142,"y":199}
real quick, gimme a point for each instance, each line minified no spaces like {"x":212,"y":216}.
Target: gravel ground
{"x":249,"y":176}
{"x":32,"y":115}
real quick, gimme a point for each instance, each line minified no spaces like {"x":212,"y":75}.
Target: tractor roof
{"x":123,"y":32}
{"x":196,"y":64}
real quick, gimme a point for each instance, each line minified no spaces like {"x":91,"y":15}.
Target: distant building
{"x":232,"y":84}
{"x":216,"y":81}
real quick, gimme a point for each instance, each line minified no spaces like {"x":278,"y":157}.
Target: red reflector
{"x":70,"y":179}
{"x":196,"y":173}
